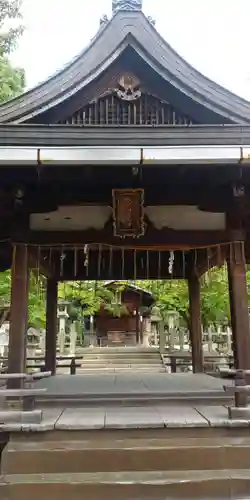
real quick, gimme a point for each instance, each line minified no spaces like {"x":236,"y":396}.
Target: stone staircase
{"x":123,"y":359}
{"x":129,"y":465}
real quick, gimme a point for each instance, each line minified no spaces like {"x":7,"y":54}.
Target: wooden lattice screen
{"x":110,"y":110}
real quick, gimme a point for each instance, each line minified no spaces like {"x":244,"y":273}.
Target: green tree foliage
{"x":87,"y":297}
{"x":169,"y":295}
{"x":37,"y":301}
{"x":215,"y":307}
{"x":10,"y":25}
{"x":5,"y":288}
{"x":173,"y":296}
{"x":36,"y":308}
{"x":12,"y":80}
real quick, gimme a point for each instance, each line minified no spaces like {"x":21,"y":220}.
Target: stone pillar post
{"x":146,"y":332}
{"x":162,"y":340}
{"x":62,"y":315}
{"x":239,"y":305}
{"x":51,"y":326}
{"x":195,"y":323}
{"x":137,"y":326}
{"x":62,"y":334}
{"x":73,"y":337}
{"x":18,"y":312}
{"x":181,"y":339}
{"x":141,"y":329}
{"x":229,"y":341}
{"x":171,"y":332}
{"x":42,"y":342}
{"x":92,"y":334}
{"x":210,"y":340}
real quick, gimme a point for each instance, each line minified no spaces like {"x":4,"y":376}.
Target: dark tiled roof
{"x":128,"y":285}
{"x":123,"y":30}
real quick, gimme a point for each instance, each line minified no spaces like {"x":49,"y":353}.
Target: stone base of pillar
{"x":22,"y":417}
{"x":239,"y":413}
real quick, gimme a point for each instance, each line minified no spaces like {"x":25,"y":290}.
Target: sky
{"x":212,"y":35}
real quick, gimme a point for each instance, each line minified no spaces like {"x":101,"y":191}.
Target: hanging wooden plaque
{"x":128,"y":212}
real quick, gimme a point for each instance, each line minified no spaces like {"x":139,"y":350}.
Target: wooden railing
{"x":241,"y":391}
{"x":26,"y":392}
{"x":40,"y":363}
{"x":184,"y":362}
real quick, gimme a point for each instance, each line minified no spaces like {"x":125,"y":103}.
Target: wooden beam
{"x":103,"y":264}
{"x":208,"y":258}
{"x":73,"y":186}
{"x":58,"y":135}
{"x":163,"y":239}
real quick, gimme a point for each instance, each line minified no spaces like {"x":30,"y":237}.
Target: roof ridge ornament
{"x":104,"y":20}
{"x":126,"y":5}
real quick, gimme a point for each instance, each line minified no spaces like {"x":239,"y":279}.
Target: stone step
{"x":118,"y":369}
{"x":95,"y":364}
{"x":143,"y":400}
{"x":111,"y":369}
{"x":127,"y":360}
{"x":136,"y":355}
{"x":158,"y":485}
{"x":117,"y":350}
{"x":115,"y":368}
{"x":124,"y":455}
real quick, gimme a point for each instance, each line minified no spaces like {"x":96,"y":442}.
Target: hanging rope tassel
{"x":99,"y":260}
{"x":38,"y":271}
{"x":135,"y":264}
{"x":230,"y":253}
{"x":86,"y":258}
{"x":14,"y":260}
{"x":159,"y":265}
{"x":62,"y":259}
{"x":110,"y":261}
{"x":50,"y":256}
{"x":75,"y":262}
{"x":171,"y":263}
{"x":147,"y":264}
{"x":219,"y":256}
{"x":243,"y":252}
{"x":184,"y":264}
{"x":123,"y":262}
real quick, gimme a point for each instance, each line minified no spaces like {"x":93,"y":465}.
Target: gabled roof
{"x":149,"y":297}
{"x":123,"y":30}
{"x":127,"y":285}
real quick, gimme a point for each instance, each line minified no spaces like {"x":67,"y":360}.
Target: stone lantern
{"x":155,"y":322}
{"x":145,"y":325}
{"x":172,"y":318}
{"x":62,"y":314}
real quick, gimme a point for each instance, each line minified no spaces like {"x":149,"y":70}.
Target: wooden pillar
{"x":141,"y":324}
{"x":18,"y":312}
{"x":137,"y":326}
{"x":232,"y":314}
{"x":195,"y":323}
{"x":239,"y":305}
{"x":51,"y":326}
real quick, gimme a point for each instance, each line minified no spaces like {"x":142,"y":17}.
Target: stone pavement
{"x":133,"y":383}
{"x":118,"y":417}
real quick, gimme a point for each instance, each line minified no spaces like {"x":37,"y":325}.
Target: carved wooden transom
{"x":127,"y":106}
